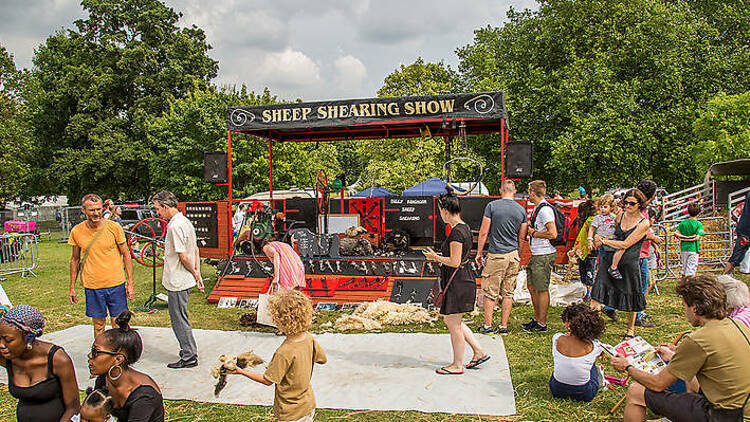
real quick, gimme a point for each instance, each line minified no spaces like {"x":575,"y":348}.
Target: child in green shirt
{"x":689,"y":232}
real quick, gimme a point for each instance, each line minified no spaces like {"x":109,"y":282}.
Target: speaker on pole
{"x":518,"y":160}
{"x":215,"y":166}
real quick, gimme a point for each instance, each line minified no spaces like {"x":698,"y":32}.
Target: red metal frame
{"x":404,"y":129}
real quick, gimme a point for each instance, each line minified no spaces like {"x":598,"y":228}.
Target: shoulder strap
{"x":50,"y":359}
{"x":88,"y":248}
{"x":748,"y":343}
{"x":538,"y":208}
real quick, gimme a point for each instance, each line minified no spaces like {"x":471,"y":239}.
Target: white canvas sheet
{"x":389,"y":371}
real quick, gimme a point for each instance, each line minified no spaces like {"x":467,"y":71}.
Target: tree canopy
{"x":14,"y":131}
{"x":99,"y":85}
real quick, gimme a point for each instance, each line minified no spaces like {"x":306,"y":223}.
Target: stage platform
{"x":389,"y":371}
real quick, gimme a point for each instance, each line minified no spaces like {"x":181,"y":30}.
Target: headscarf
{"x":26,"y":318}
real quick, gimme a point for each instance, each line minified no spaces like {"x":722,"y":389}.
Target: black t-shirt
{"x":144,"y":404}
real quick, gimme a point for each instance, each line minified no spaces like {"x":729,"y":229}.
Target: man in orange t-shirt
{"x":99,"y":249}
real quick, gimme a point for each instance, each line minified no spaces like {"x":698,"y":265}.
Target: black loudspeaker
{"x":215,"y":166}
{"x":518,"y":160}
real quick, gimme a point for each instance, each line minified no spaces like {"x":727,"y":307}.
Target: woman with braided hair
{"x":40,"y":374}
{"x":575,"y":374}
{"x":135,"y":396}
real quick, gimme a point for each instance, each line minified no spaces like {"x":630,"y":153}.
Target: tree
{"x":100,"y":84}
{"x":723,"y":130}
{"x":608,"y":91}
{"x":14,"y":131}
{"x":197,"y":123}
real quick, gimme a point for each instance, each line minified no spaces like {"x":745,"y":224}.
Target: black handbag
{"x":729,"y":415}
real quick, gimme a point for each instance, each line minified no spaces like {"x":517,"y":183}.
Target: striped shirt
{"x":291,"y":270}
{"x":742,"y":314}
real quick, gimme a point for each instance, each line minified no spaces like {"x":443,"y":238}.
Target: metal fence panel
{"x":715,"y":246}
{"x":19,"y":253}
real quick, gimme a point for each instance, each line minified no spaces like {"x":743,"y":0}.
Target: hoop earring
{"x":29,"y":345}
{"x":109,"y":372}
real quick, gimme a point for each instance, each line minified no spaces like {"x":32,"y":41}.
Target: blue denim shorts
{"x":99,"y":300}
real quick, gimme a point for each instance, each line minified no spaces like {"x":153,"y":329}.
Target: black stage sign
{"x":409,"y":110}
{"x":204,"y":217}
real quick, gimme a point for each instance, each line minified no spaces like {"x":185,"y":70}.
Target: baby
{"x":96,"y":407}
{"x":603,"y":224}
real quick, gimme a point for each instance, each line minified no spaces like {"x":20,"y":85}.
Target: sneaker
{"x":643,"y":323}
{"x":502,"y":330}
{"x":615,"y":273}
{"x":610,"y":313}
{"x":486,"y":330}
{"x":538,"y":328}
{"x":528,"y":325}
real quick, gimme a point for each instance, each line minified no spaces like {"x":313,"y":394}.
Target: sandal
{"x":476,"y":362}
{"x":445,"y":371}
{"x":628,"y":336}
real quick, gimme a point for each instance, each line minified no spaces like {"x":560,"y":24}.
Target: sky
{"x":312,"y":50}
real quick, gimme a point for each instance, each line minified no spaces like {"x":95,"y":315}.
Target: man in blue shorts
{"x":99,"y":252}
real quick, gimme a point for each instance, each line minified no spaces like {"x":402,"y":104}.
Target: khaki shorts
{"x":539,"y":271}
{"x":499,"y":275}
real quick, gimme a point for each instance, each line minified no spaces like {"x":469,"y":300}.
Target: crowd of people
{"x":614,"y":244}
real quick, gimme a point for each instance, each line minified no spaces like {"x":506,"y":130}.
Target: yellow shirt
{"x":103,"y":267}
{"x":291,"y":369}
{"x":718,"y":355}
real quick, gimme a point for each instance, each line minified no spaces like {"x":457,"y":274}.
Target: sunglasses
{"x":96,"y":352}
{"x":631,"y":203}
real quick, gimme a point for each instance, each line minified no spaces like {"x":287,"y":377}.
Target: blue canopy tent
{"x":374,"y":192}
{"x":430,"y":187}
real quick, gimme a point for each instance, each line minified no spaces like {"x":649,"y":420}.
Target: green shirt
{"x":690,"y":227}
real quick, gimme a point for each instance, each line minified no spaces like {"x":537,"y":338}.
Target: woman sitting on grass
{"x":575,"y":376}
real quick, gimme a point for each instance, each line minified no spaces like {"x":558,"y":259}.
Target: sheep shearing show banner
{"x":370,"y":111}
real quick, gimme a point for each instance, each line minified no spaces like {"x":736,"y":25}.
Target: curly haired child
{"x":292,"y":364}
{"x":575,"y":374}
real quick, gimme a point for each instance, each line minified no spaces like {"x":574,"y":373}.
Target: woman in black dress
{"x":40,"y":374}
{"x":630,"y":231}
{"x":461,"y":294}
{"x":135,"y":395}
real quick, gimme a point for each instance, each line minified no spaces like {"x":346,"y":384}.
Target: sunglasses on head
{"x":96,"y":352}
{"x":631,"y":203}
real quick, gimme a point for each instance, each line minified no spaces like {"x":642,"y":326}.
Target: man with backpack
{"x":542,"y":229}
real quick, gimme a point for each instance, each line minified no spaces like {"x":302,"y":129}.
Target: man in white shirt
{"x":181,"y":273}
{"x":541,"y":229}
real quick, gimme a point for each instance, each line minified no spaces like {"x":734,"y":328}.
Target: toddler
{"x":292,"y":364}
{"x":96,"y":407}
{"x":603,"y":224}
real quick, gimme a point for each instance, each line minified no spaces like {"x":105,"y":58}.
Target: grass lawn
{"x":529,"y":354}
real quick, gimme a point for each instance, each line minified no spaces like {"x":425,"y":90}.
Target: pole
{"x":230,"y":232}
{"x":502,"y":150}
{"x":270,"y":172}
{"x":448,"y":140}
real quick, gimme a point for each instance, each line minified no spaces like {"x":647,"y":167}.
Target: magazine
{"x":638,"y":353}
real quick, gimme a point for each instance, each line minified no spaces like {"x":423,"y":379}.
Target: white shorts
{"x":689,"y":262}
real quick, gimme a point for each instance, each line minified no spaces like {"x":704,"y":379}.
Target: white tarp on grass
{"x":389,"y":371}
